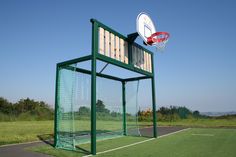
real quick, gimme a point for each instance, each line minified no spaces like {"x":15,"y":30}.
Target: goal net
{"x":113,"y":119}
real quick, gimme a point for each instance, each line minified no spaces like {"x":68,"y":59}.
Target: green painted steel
{"x":122,"y":65}
{"x":98,"y":74}
{"x":124,"y":108}
{"x":93,"y":86}
{"x":154,"y":101}
{"x":137,"y":78}
{"x":56,"y":109}
{"x":81,"y":59}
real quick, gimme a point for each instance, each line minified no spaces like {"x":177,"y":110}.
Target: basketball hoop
{"x":158,"y":39}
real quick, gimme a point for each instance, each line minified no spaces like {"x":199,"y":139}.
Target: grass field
{"x":197,"y":142}
{"x":24,"y":131}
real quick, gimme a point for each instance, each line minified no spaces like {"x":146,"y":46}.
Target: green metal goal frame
{"x":93,"y":58}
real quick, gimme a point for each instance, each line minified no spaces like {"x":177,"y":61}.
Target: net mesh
{"x":74,"y":108}
{"x":160,"y":45}
{"x":139,"y":108}
{"x":159,"y":40}
{"x":109,"y":109}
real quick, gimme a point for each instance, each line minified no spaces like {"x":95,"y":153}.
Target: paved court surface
{"x":19,"y":149}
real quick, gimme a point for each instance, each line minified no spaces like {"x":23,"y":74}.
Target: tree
{"x":196,"y":114}
{"x":183,"y":112}
{"x":101,"y":108}
{"x":5,"y":106}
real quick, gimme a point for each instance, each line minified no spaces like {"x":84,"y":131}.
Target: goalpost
{"x":91,"y":105}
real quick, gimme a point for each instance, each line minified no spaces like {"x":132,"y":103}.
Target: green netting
{"x":109,"y":109}
{"x":74,"y":108}
{"x":139,"y":108}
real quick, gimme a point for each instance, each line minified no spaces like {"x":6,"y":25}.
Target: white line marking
{"x":174,"y":132}
{"x":203,"y":134}
{"x":110,"y":150}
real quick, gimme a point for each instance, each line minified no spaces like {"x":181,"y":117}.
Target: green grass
{"x":24,"y":131}
{"x":101,"y":146}
{"x":199,"y":142}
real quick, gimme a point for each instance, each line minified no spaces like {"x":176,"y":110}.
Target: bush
{"x":25,"y":109}
{"x":6,"y":117}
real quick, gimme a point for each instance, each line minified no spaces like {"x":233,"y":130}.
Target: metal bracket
{"x":132,"y":36}
{"x":103,"y":68}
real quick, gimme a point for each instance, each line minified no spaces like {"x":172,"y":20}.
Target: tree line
{"x":174,"y":113}
{"x":29,"y":109}
{"x":25,"y":109}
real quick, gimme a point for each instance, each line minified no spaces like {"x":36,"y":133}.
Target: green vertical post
{"x":154,"y":100}
{"x":124,"y":108}
{"x":93,"y":86}
{"x":56,"y":109}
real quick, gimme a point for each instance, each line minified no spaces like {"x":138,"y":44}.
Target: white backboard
{"x":145,"y":26}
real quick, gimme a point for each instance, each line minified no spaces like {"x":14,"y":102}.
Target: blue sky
{"x":197,"y":70}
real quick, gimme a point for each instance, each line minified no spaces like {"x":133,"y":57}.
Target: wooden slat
{"x":142,"y":59}
{"x":138,"y":57}
{"x":150,"y":61}
{"x":122,"y":53}
{"x":112,"y":46}
{"x":107,"y":43}
{"x":133,"y":56}
{"x":126,"y":53}
{"x":101,"y":40}
{"x":148,"y":68}
{"x":145,"y":61}
{"x":117,"y":48}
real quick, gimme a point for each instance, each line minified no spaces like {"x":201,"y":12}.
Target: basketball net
{"x":159,"y":40}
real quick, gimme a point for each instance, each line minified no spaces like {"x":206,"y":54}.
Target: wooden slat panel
{"x":107,"y":43}
{"x":101,"y":40}
{"x":126,"y":53}
{"x":112,"y":46}
{"x":122,"y":53}
{"x":117,"y":48}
